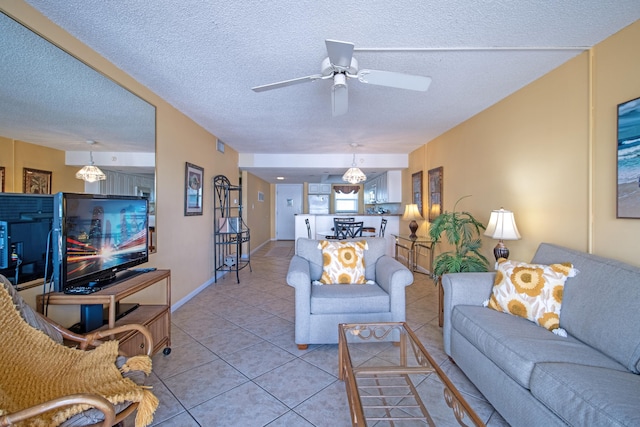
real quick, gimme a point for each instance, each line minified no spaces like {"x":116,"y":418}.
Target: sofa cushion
{"x":600,"y":305}
{"x":532,"y":291}
{"x":308,"y":249}
{"x":343,"y":262}
{"x":349,"y":299}
{"x":515,"y":344}
{"x":587,"y":395}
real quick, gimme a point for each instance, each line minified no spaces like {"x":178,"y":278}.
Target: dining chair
{"x":383,"y":226}
{"x":348,"y":229}
{"x":306,"y":221}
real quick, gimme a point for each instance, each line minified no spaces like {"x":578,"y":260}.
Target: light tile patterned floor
{"x":234,"y":361}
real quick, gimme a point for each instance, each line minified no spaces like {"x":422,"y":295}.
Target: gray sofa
{"x":320,"y":308}
{"x":534,"y":377}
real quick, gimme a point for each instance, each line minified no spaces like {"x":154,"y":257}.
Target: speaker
{"x":91,"y":316}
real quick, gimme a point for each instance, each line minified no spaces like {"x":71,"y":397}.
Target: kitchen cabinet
{"x":386,"y":188}
{"x":319,"y":188}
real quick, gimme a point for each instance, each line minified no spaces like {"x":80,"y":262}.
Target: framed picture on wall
{"x":193,"y":190}
{"x":628,"y":143}
{"x":435,"y":193}
{"x":416,"y":191}
{"x":1,"y":179}
{"x":35,"y":181}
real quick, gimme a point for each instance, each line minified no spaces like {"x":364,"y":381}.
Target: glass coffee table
{"x":388,"y":373}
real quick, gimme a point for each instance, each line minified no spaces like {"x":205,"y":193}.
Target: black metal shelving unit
{"x":230,"y":231}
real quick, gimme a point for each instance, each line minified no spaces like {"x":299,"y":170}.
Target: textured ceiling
{"x":203,"y":57}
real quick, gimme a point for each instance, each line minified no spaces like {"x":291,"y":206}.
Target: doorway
{"x":288,"y":203}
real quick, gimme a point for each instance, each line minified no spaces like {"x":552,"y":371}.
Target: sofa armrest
{"x":393,"y":277}
{"x":463,"y":289}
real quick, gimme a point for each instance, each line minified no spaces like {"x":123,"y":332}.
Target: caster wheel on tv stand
{"x":166,"y":351}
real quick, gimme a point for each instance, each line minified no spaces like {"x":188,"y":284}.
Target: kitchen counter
{"x":338,"y":215}
{"x":324,"y":222}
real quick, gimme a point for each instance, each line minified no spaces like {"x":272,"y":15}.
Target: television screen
{"x":98,"y":236}
{"x":25,"y":224}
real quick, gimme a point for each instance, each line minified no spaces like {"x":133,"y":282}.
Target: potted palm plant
{"x":462,"y":231}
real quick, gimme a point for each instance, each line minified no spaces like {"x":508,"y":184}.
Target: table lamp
{"x":411,"y":213}
{"x":502,"y":226}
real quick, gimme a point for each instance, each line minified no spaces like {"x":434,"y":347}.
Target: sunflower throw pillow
{"x":532,"y":291}
{"x":343,"y":262}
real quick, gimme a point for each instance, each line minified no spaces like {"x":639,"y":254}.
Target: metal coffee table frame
{"x":388,"y":381}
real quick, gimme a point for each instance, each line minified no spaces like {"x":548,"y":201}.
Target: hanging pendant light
{"x":354,"y":175}
{"x":91,"y":173}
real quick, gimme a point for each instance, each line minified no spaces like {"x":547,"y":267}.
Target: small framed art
{"x":193,"y":189}
{"x":36,"y":181}
{"x":416,"y":191}
{"x":435,"y":193}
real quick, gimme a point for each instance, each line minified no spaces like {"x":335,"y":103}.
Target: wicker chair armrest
{"x":98,"y":402}
{"x":94,"y":338}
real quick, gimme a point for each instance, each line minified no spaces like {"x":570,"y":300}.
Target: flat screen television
{"x":97,"y":237}
{"x":25,"y":224}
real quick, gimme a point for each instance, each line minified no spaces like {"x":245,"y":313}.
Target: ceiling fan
{"x":340,"y":65}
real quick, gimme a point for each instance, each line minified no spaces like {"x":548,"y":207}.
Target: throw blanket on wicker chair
{"x":34,"y":369}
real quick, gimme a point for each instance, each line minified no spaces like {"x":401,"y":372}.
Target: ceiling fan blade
{"x":287,"y":83}
{"x":340,"y":53}
{"x":340,"y":97}
{"x":392,"y":79}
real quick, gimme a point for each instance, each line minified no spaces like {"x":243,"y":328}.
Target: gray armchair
{"x":319,"y":309}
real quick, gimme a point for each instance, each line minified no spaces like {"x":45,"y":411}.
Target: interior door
{"x":288,"y":203}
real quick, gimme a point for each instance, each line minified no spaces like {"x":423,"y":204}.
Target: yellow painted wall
{"x":16,"y":155}
{"x":531,"y":153}
{"x":257,"y":213}
{"x":184,"y":242}
{"x":616,"y":79}
{"x":6,"y":161}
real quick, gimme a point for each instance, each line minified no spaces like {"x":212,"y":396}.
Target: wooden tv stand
{"x":156,"y":317}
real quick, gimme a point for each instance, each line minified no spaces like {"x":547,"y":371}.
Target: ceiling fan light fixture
{"x":340,"y":95}
{"x":354,"y":175}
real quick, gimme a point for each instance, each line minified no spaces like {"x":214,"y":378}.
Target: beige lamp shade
{"x":502,"y":226}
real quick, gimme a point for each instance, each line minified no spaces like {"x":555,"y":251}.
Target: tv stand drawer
{"x":153,"y":317}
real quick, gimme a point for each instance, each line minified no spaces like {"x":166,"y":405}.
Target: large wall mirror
{"x":51,"y":102}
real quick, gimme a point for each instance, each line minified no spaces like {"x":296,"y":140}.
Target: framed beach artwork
{"x":628,"y":185}
{"x":193,"y":190}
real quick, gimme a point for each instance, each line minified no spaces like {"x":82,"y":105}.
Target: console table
{"x":411,"y":244}
{"x":156,"y":317}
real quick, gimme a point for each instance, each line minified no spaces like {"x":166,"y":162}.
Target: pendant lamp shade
{"x":354,"y":175}
{"x":91,"y":173}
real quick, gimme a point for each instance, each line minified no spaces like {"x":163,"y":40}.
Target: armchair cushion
{"x":348,"y":299}
{"x":308,"y":249}
{"x":343,"y":262}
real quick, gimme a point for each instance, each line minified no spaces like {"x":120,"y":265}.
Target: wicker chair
{"x":101,"y":411}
